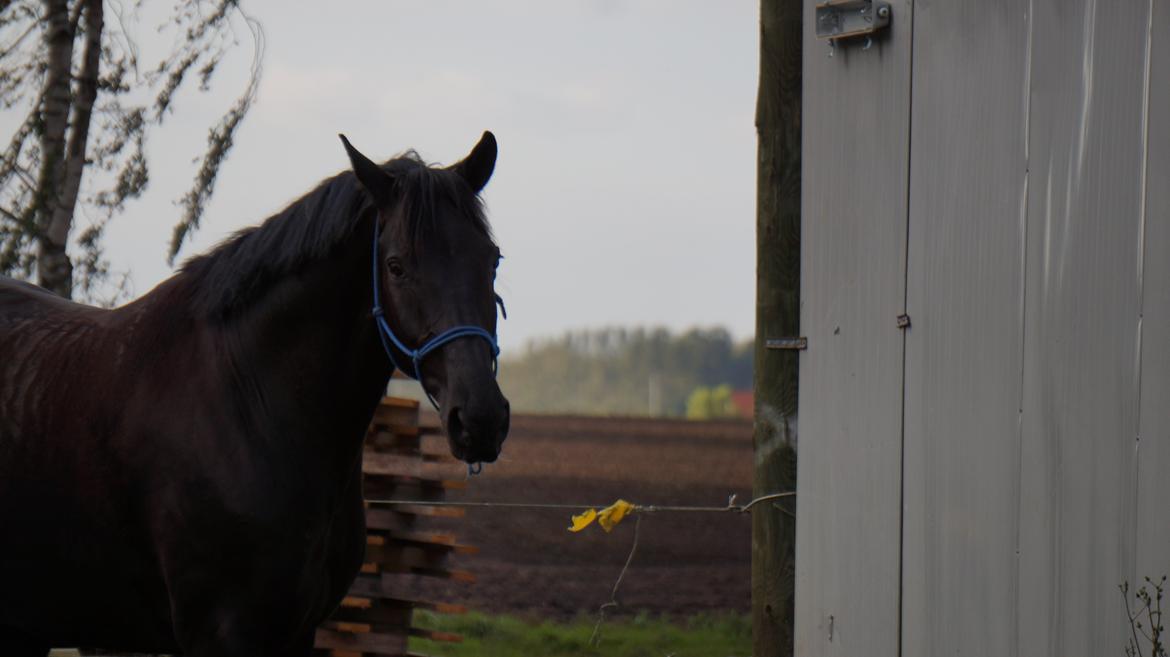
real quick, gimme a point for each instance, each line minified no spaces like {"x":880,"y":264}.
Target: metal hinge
{"x":844,"y":19}
{"x":795,"y":344}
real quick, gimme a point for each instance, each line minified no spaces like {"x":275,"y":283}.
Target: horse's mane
{"x":249,"y":262}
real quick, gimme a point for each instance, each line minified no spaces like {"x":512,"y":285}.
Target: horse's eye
{"x":395,"y":268}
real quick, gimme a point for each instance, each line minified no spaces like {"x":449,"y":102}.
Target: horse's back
{"x":24,"y":305}
{"x":45,"y":341}
{"x":64,"y":486}
{"x":127,"y":480}
{"x":18,"y":298}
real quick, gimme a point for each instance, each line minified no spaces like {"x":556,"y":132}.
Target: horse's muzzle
{"x":476,"y":435}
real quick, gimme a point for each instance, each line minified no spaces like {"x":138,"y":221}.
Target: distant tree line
{"x":623,"y":371}
{"x":711,"y":402}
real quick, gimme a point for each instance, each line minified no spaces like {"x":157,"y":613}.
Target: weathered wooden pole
{"x":777,"y":316}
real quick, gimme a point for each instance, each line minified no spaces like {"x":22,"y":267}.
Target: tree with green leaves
{"x":624,"y":371}
{"x":711,"y":403}
{"x":74,"y":71}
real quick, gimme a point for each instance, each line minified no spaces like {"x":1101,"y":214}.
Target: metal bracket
{"x":844,"y":19}
{"x":794,"y":344}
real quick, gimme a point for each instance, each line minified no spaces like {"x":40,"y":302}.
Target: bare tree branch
{"x":81,"y":67}
{"x":87,"y":86}
{"x":25,"y":177}
{"x":9,"y":214}
{"x":9,"y":161}
{"x":75,"y":17}
{"x":53,"y":271}
{"x":18,"y":40}
{"x":55,"y":101}
{"x":220,"y":141}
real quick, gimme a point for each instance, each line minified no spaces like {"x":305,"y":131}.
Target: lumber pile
{"x":376,"y":617}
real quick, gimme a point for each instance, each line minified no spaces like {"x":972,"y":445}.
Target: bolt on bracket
{"x":844,"y":19}
{"x":793,"y":344}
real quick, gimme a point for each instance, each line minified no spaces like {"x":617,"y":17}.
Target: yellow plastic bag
{"x":611,"y":515}
{"x":583,"y":520}
{"x":608,"y":517}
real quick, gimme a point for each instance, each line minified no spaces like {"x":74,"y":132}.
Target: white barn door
{"x":981,"y":482}
{"x":856,"y":121}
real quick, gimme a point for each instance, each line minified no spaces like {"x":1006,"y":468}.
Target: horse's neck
{"x":308,"y":354}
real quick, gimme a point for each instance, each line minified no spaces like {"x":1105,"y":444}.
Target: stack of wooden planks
{"x":376,"y":617}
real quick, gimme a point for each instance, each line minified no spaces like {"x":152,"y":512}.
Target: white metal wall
{"x":1153,"y":452}
{"x":982,"y":482}
{"x":965,"y":299}
{"x":852,"y":289}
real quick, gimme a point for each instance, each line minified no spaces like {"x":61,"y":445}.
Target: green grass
{"x":706,"y":635}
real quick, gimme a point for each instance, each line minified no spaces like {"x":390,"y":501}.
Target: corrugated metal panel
{"x":1037,"y":372}
{"x":856,"y":109}
{"x":1153,"y":555}
{"x":1082,"y":310}
{"x":965,"y":299}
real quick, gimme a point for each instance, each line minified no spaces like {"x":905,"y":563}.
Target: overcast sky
{"x":624,"y":189}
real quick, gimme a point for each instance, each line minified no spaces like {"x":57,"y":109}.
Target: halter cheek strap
{"x":386,"y":334}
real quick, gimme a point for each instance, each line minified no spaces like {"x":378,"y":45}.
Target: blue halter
{"x":386,"y":335}
{"x":416,"y":355}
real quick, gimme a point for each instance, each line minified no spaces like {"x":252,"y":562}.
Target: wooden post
{"x":777,"y":316}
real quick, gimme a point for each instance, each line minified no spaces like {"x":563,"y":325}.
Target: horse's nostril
{"x":504,"y":428}
{"x":455,"y":426}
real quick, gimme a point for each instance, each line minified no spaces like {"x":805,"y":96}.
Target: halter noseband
{"x":386,"y":334}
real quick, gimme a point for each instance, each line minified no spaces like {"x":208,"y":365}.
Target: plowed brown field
{"x":685,"y":562}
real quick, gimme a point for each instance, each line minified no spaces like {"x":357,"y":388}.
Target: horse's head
{"x":435,"y":264}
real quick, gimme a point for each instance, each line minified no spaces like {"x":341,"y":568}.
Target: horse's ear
{"x":477,"y":167}
{"x":371,"y":176}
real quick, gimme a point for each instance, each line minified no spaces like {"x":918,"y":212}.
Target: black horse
{"x":183,"y":474}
